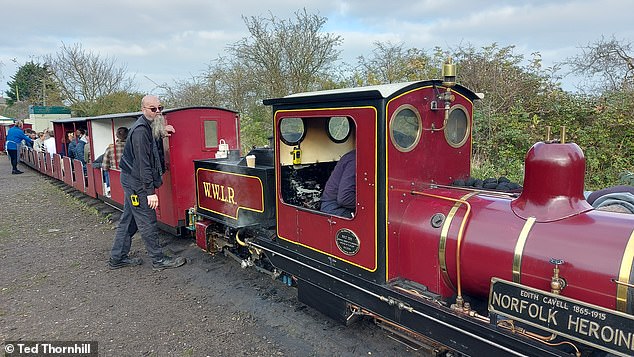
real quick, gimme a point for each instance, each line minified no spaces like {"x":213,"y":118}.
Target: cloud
{"x":175,"y":39}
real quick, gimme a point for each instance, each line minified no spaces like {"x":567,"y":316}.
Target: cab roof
{"x":381,"y":91}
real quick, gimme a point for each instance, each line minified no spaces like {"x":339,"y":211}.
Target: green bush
{"x":601,"y":126}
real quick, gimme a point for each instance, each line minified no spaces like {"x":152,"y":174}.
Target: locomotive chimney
{"x":553,"y":183}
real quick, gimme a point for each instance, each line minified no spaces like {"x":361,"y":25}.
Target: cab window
{"x":457,"y":127}
{"x":292,"y":130}
{"x":405,"y":128}
{"x":338,"y":129}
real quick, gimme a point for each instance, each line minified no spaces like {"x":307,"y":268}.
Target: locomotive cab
{"x":321,"y":136}
{"x":399,"y":133}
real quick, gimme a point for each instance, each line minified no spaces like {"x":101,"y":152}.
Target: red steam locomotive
{"x":533,"y":273}
{"x":538,"y":273}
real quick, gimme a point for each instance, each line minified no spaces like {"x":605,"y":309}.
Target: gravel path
{"x":55,"y":285}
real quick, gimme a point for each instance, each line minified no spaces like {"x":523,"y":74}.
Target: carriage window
{"x":457,"y":127}
{"x":211,"y":133}
{"x":338,"y":129}
{"x":405,"y":128}
{"x":292,"y":130}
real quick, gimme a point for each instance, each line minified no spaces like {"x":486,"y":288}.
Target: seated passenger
{"x":339,"y":197}
{"x":49,"y":143}
{"x":72,"y":143}
{"x":79,"y":150}
{"x":38,"y":144}
{"x":31,"y":134}
{"x":109,"y":156}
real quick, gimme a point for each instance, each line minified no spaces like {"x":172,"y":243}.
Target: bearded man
{"x":142,"y":165}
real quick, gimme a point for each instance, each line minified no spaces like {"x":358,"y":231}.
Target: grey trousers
{"x":140,"y":218}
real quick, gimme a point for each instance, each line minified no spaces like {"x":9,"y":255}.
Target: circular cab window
{"x":405,"y":128}
{"x":338,"y":129}
{"x":457,"y":128}
{"x":292,"y":130}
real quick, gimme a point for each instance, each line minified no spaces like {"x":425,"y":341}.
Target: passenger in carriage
{"x":109,"y":156}
{"x":31,"y":134}
{"x":109,"y":161}
{"x":38,"y":144}
{"x":339,"y":196}
{"x":71,"y":144}
{"x":49,"y":143}
{"x":80,"y":147}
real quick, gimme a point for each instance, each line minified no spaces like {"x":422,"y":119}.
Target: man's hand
{"x":152,"y":201}
{"x":169,"y":130}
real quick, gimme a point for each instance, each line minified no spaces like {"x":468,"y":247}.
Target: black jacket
{"x":141,"y":158}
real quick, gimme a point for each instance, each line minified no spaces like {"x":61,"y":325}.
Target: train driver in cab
{"x":339,"y":196}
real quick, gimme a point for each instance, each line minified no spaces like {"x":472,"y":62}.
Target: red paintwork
{"x":116,"y":191}
{"x":90,"y":187}
{"x":431,"y":161}
{"x":41,"y":162}
{"x":201,"y":233}
{"x":80,"y":181}
{"x":57,"y":166}
{"x":68,"y":174}
{"x":188,"y":143}
{"x":97,"y":179}
{"x":48,"y":163}
{"x":489,"y":242}
{"x":31,"y":157}
{"x":553,"y":184}
{"x":227,"y":193}
{"x":310,"y":228}
{"x":166,"y":212}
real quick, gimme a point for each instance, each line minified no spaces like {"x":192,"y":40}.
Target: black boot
{"x":16,"y":172}
{"x":124,"y":262}
{"x":168,"y":263}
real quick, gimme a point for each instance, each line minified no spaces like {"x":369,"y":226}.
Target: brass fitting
{"x":557,"y":284}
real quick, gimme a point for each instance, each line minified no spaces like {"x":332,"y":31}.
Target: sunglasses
{"x":155,"y":109}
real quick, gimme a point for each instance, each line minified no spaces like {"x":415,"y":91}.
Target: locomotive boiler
{"x":537,"y":272}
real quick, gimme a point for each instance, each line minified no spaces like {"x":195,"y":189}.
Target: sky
{"x":164,"y":41}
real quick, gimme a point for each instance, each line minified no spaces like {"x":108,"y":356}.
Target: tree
{"x":391,"y":63}
{"x":84,"y":76}
{"x":33,"y":83}
{"x":607,"y":65}
{"x":117,"y":102}
{"x":287,"y":56}
{"x":278,"y":58}
{"x":502,"y":76}
{"x":19,"y":110}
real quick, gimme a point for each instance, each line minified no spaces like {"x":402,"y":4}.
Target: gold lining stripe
{"x":624,"y":275}
{"x":519,"y":249}
{"x":278,"y":202}
{"x":442,"y":245}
